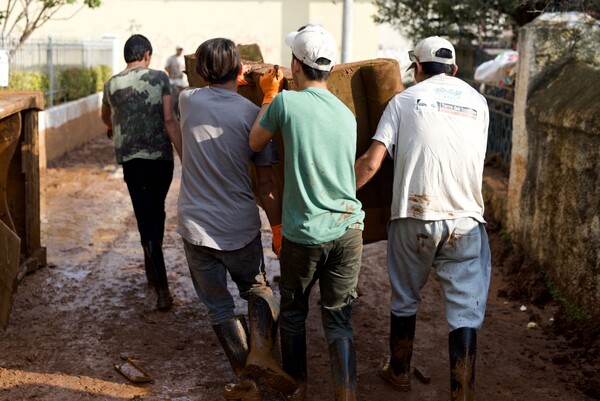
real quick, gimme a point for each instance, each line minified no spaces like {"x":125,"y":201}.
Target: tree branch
{"x":34,"y":14}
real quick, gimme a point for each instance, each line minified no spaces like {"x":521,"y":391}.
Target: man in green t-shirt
{"x":322,"y":220}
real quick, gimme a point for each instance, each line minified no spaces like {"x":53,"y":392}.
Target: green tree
{"x":22,"y":17}
{"x":471,"y":19}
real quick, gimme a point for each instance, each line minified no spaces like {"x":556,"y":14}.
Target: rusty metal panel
{"x":9,"y":268}
{"x":30,"y":151}
{"x":10,"y":130}
{"x":20,"y":244}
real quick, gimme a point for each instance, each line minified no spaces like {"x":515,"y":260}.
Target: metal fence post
{"x":50,"y":70}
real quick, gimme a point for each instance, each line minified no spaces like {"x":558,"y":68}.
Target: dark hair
{"x":218,"y":60}
{"x":432,"y":68}
{"x":135,"y":47}
{"x":312,"y":73}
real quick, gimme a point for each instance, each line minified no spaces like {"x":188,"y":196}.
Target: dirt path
{"x":72,"y":322}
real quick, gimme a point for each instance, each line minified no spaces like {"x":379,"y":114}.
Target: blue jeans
{"x":209,"y":268}
{"x":335,"y":264}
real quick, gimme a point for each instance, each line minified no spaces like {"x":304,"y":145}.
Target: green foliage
{"x":100,"y":74}
{"x":59,"y":3}
{"x":19,"y":80}
{"x":574,"y":311}
{"x":76,"y":82}
{"x":93,"y":3}
{"x":471,"y":19}
{"x":466,"y":19}
{"x":506,"y":237}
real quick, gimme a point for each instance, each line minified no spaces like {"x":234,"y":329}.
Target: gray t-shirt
{"x":217,"y":208}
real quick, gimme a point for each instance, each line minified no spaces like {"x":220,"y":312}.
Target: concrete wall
{"x":554,"y":187}
{"x":67,"y":126}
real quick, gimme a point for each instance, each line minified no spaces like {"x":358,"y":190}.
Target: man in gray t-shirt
{"x":216,"y":203}
{"x":219,"y":220}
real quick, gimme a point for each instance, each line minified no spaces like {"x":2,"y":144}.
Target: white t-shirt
{"x":436,"y":132}
{"x":176,"y":65}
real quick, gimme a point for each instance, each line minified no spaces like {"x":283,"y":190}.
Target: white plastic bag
{"x":500,"y":70}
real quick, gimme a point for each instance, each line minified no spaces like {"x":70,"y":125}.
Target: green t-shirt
{"x":319,"y":137}
{"x":135,"y":100}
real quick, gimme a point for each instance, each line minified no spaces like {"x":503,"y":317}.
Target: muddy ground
{"x":73,"y":320}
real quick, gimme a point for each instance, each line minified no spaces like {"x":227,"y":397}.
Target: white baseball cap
{"x":311,"y":43}
{"x":433,"y":50}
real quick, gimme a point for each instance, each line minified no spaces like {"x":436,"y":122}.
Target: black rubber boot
{"x":293,"y":358}
{"x":343,"y":369}
{"x":164,"y":300}
{"x":396,"y":369}
{"x":233,"y":336}
{"x":148,"y":265}
{"x":462,"y":344}
{"x":263,"y":334}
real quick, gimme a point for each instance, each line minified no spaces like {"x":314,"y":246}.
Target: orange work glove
{"x":276,"y":239}
{"x":241,"y":78}
{"x":271,"y":84}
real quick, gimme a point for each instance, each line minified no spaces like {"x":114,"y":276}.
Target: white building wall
{"x":393,"y":44}
{"x":189,"y":22}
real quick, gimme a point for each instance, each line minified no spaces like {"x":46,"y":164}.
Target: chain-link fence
{"x":52,"y":55}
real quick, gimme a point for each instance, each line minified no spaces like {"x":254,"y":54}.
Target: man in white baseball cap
{"x":436,"y":53}
{"x":436,"y":132}
{"x":322,"y":219}
{"x":313,"y":46}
